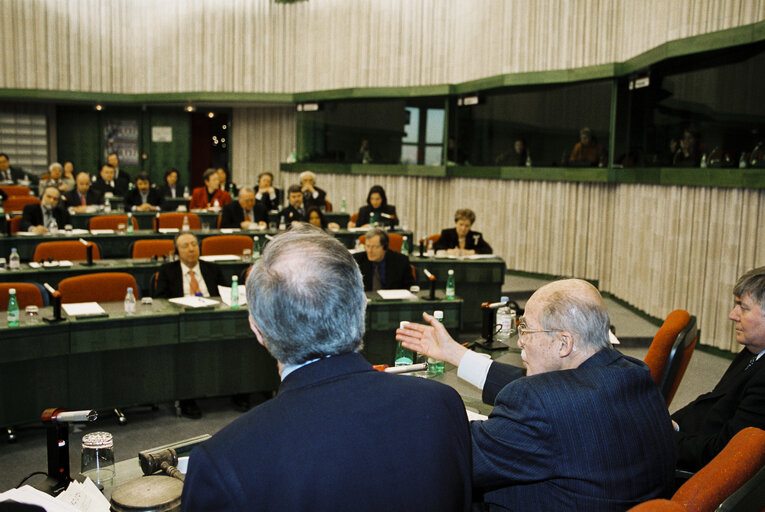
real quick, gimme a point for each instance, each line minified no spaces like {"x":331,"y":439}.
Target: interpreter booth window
{"x":537,"y":126}
{"x":701,"y":110}
{"x":372,"y":131}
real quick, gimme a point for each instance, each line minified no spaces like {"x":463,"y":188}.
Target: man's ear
{"x":566,"y":340}
{"x":257,"y":332}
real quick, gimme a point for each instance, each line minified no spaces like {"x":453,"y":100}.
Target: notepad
{"x":396,"y":294}
{"x":220,"y":257}
{"x":225,"y":295}
{"x":84,"y":309}
{"x":194,"y":302}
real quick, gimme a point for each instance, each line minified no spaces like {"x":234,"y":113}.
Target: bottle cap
{"x":451,"y":271}
{"x":438,"y":314}
{"x":234,"y":278}
{"x":504,"y":298}
{"x":12,"y":291}
{"x":130,"y":289}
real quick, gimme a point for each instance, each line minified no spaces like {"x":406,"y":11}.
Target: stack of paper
{"x":83,"y":309}
{"x":78,"y":497}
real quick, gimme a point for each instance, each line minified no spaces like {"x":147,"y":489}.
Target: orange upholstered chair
{"x":433,"y":238}
{"x":225,"y":244}
{"x":17,"y":203}
{"x":354,"y":217}
{"x":15,"y":190}
{"x":110,"y":222}
{"x":671,"y":351}
{"x":658,"y":506}
{"x":328,"y":206}
{"x":395,"y":241}
{"x":72,"y":250}
{"x":103,"y":287}
{"x":151,"y":248}
{"x":16,"y":224}
{"x":174,"y":220}
{"x":27,"y":294}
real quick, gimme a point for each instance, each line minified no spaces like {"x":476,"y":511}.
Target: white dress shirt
{"x":187,"y":280}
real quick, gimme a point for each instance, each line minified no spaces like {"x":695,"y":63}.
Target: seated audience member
{"x":205,"y":197}
{"x":105,"y":182}
{"x":316,"y":218}
{"x":586,"y":152}
{"x":312,"y":195}
{"x":460,"y":239}
{"x":383,"y":269}
{"x":295,"y":209}
{"x":189,"y":276}
{"x":121,"y":178}
{"x":225,"y":184}
{"x":319,"y":444}
{"x":244,"y":212}
{"x":69,"y":171}
{"x":516,"y":156}
{"x":56,"y":179}
{"x":36,"y":218}
{"x":266,"y":194}
{"x":171,"y":187}
{"x":706,"y":425}
{"x":583,"y":427}
{"x":377,"y":206}
{"x":8,"y":173}
{"x":144,"y":197}
{"x":687,"y":153}
{"x":83,"y":194}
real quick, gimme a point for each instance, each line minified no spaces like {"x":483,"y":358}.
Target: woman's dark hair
{"x":170,"y":171}
{"x":379,"y":190}
{"x":322,"y":219}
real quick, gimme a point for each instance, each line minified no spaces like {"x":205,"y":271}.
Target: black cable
{"x":30,"y":475}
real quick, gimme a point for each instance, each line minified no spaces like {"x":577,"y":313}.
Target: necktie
{"x":751,"y":363}
{"x":193,"y":283}
{"x":82,"y":199}
{"x":376,"y":280}
{"x":247,"y":216}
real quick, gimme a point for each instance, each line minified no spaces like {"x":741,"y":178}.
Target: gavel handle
{"x":172,"y":471}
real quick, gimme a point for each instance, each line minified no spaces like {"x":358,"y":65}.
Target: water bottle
{"x":130,"y":186}
{"x":342,"y":206}
{"x":528,"y":160}
{"x":129,"y":223}
{"x":404,"y":356}
{"x":255,"y":247}
{"x":216,"y":205}
{"x":234,"y":292}
{"x":53,"y":227}
{"x":372,"y":219}
{"x":231,"y":188}
{"x":107,"y":206}
{"x":282,"y":224}
{"x":450,"y":285}
{"x":13,"y":309}
{"x":742,"y":161}
{"x":14,"y":261}
{"x":130,"y":302}
{"x":505,"y":319}
{"x":185,"y":192}
{"x":405,"y":246}
{"x":185,"y":226}
{"x":436,"y":367}
{"x":704,"y":161}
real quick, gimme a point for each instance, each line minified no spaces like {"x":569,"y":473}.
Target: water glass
{"x":98,"y":457}
{"x":32,"y":315}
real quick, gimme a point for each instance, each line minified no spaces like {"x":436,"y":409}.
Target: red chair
{"x":671,"y":351}
{"x":174,"y":220}
{"x":110,"y":222}
{"x":17,"y":203}
{"x":27,"y":294}
{"x":151,"y":248}
{"x":354,"y":217}
{"x":15,"y":190}
{"x":432,"y":238}
{"x":103,"y":287}
{"x":226,"y":244}
{"x":16,"y":224}
{"x":72,"y":250}
{"x":328,"y":206}
{"x":395,"y":241}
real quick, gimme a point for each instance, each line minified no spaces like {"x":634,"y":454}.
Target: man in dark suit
{"x":382,"y":268}
{"x":295,"y":210}
{"x":244,"y":212}
{"x":144,"y":197}
{"x":339,"y":435}
{"x":706,"y":425}
{"x":121,"y":178}
{"x":9,"y":173}
{"x":583,"y":428}
{"x":82,"y":195}
{"x":36,"y":218}
{"x":460,"y":239}
{"x":266,"y":193}
{"x":105,"y":183}
{"x":312,"y":195}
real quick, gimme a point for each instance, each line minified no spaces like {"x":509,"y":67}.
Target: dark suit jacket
{"x":270,"y":204}
{"x":232,"y":215}
{"x":594,"y":438}
{"x":320,"y":201}
{"x":398,"y":270}
{"x":164,"y":189}
{"x":122,"y":184}
{"x":290,"y":213}
{"x":17,"y":174}
{"x":474,"y":240}
{"x":339,"y":436}
{"x":103,"y":187}
{"x":366,"y":211}
{"x":93,"y":196}
{"x":133,"y":198}
{"x":710,"y":421}
{"x":32,"y":215}
{"x":170,"y":280}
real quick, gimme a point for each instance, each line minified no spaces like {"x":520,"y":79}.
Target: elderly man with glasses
{"x":582,"y":428}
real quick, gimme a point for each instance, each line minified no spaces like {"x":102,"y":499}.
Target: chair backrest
{"x":15,"y":190}
{"x":328,"y":205}
{"x":433,"y":238}
{"x":395,"y":241}
{"x":16,"y":224}
{"x":103,"y":287}
{"x":27,"y":294}
{"x":354,"y":217}
{"x":17,"y":203}
{"x":72,"y":250}
{"x":217,"y":223}
{"x":734,"y":466}
{"x":679,"y":357}
{"x":225,"y":244}
{"x":151,"y":248}
{"x":658,"y":506}
{"x":658,"y":353}
{"x":110,"y":222}
{"x":749,"y":496}
{"x":174,"y":220}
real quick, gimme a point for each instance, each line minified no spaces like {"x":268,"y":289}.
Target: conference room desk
{"x":476,"y":280}
{"x":145,"y":219}
{"x":116,"y":245}
{"x":162,"y":353}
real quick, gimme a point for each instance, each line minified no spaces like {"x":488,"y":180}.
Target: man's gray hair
{"x":243,"y":190}
{"x":752,"y":283}
{"x":306,"y":296}
{"x":55,"y":165}
{"x":588,"y":321}
{"x":384,"y":239}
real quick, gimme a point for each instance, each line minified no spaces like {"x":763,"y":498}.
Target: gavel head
{"x":152,"y":462}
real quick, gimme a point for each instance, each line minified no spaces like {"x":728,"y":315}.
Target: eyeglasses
{"x":523,"y":330}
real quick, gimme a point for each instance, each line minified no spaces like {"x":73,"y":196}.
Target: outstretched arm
{"x":431,"y":340}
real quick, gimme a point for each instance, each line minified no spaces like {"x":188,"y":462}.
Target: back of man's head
{"x":306,"y":297}
{"x":576,"y":306}
{"x":752,"y":283}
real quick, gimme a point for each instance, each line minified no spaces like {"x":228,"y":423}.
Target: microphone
{"x":72,"y":416}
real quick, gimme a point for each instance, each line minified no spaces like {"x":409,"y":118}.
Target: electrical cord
{"x":30,"y":475}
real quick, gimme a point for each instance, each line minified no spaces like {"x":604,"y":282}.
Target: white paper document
{"x":194,"y":302}
{"x":229,"y":230}
{"x":220,"y":257}
{"x":169,"y":230}
{"x":225,"y":295}
{"x":79,"y":309}
{"x":102,"y":231}
{"x":475,"y":416}
{"x":84,"y":497}
{"x":396,"y":294}
{"x":51,"y":264}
